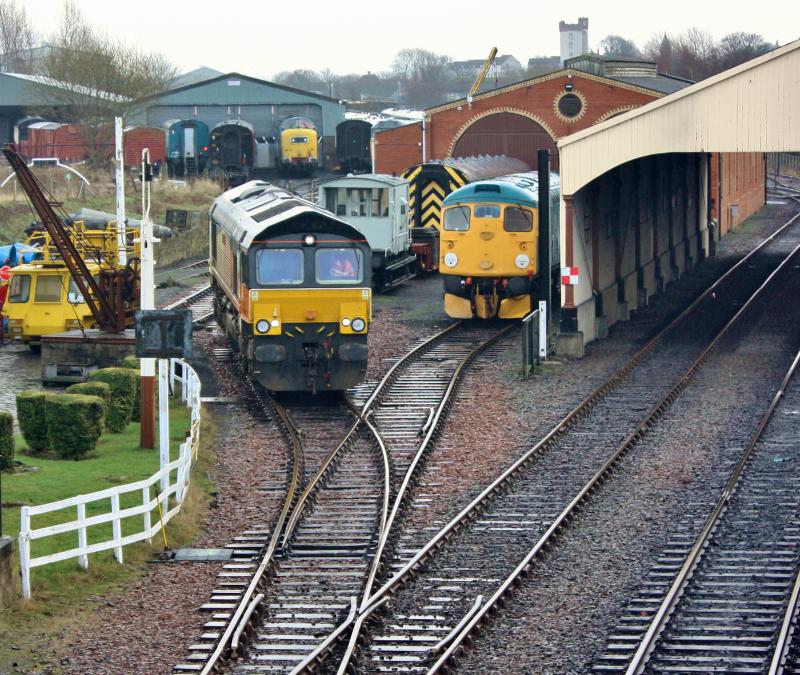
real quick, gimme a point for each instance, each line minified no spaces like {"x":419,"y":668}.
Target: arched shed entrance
{"x":506,"y":133}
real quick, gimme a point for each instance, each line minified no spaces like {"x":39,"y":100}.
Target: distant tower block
{"x":574,"y":38}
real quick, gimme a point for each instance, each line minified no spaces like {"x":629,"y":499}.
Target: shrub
{"x":123,"y":388}
{"x":30,"y":415}
{"x":6,"y":441}
{"x":99,"y":389}
{"x":74,"y":423}
{"x":132,"y":362}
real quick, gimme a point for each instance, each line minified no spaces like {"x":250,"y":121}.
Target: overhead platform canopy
{"x":754,"y":107}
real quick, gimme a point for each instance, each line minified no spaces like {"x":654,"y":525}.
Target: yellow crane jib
{"x":482,"y":75}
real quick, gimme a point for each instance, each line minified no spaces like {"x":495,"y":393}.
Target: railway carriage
{"x":489,"y":241}
{"x":233,"y":151}
{"x":188,"y":147}
{"x":375,"y":204}
{"x":291,"y":287}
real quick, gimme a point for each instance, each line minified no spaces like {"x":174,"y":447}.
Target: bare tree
{"x":659,"y":49}
{"x":424,"y":76}
{"x":307,"y":80}
{"x":695,"y":54}
{"x":736,"y":48}
{"x":89,"y":79}
{"x":616,"y":45}
{"x":17,"y":38}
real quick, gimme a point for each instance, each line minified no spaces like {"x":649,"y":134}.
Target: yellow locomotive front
{"x":489,"y":248}
{"x":292,"y":288}
{"x":299,"y":145}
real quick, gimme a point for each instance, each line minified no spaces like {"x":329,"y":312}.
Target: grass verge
{"x":63,"y":592}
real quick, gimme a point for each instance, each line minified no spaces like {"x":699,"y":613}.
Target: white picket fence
{"x":154,"y":511}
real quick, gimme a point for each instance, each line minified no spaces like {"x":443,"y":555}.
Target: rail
{"x":141,"y":504}
{"x":525,"y":566}
{"x":678,"y":587}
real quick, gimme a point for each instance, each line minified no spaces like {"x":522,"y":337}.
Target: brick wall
{"x":741,"y":187}
{"x":397,"y":149}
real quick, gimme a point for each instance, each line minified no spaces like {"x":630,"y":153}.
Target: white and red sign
{"x":570,"y":276}
{"x":5,"y":273}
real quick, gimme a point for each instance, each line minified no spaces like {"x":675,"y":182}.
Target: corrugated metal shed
{"x":262,"y":103}
{"x":754,"y":107}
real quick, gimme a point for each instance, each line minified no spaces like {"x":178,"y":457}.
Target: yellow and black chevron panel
{"x":429,"y":184}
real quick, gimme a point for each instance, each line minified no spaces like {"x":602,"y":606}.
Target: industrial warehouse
{"x":463,"y":366}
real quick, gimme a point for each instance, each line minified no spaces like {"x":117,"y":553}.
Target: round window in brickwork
{"x":570,"y":106}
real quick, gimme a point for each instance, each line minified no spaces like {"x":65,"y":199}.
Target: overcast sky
{"x":260,"y":38}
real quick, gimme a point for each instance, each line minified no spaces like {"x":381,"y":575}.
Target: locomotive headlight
{"x":262,"y":326}
{"x":275,"y":323}
{"x":345,"y":322}
{"x":359,"y":325}
{"x":451,"y":260}
{"x":310,"y":240}
{"x":522,"y":261}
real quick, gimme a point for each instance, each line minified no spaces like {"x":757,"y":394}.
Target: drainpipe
{"x":424,"y":141}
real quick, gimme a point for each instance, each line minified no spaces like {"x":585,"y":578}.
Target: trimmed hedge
{"x":123,"y":390}
{"x":30,"y":415}
{"x":132,"y":362}
{"x":99,"y":389}
{"x":6,"y":441}
{"x":74,"y":423}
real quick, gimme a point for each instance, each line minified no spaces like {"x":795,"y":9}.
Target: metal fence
{"x":534,"y":339}
{"x":783,"y":164}
{"x":134,"y":506}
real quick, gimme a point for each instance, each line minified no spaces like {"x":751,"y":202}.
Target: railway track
{"x":442,"y":592}
{"x":724,"y":601}
{"x":330,"y":542}
{"x":200,"y":300}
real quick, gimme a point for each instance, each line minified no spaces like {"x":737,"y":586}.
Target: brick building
{"x":520,"y":118}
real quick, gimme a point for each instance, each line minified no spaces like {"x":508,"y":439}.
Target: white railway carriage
{"x":375,"y":204}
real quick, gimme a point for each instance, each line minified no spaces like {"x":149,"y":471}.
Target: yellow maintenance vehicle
{"x":43,"y":298}
{"x":76,"y":279}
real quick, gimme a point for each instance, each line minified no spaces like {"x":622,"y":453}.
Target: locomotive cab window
{"x":48,"y":289}
{"x":456,"y":219}
{"x":339,"y":266}
{"x":20,"y":289}
{"x":74,"y":295}
{"x":517,"y":220}
{"x":279,"y":266}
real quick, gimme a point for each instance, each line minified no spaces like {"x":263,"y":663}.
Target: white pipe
{"x":147,"y":298}
{"x":424,"y":152}
{"x":122,"y":258}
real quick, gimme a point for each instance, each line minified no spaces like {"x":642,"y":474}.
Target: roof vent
{"x":487,"y":188}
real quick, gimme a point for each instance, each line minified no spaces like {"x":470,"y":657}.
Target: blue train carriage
{"x":489,"y":246}
{"x":188,"y":147}
{"x":291,"y":286}
{"x":375,"y":204}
